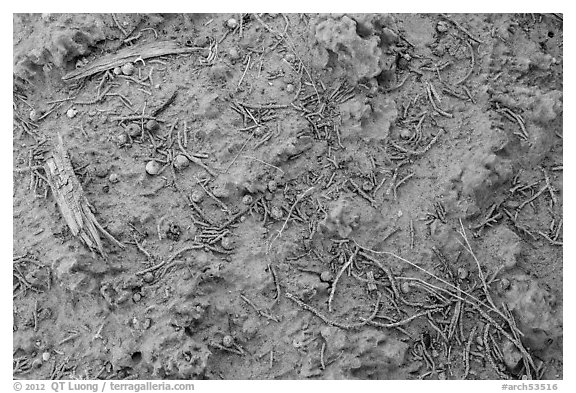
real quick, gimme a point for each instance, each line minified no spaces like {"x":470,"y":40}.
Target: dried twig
{"x":342,"y":270}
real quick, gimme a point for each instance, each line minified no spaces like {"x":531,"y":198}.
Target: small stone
{"x":152,"y":125}
{"x":46,"y":356}
{"x":92,"y":112}
{"x":290,"y":88}
{"x":197,"y":196}
{"x":153,"y":167}
{"x":34,"y":115}
{"x":247,"y":199}
{"x":136,"y":297}
{"x":37,"y":363}
{"x":326,"y":276}
{"x":128,"y":69}
{"x":367,"y":186}
{"x":405,"y":287}
{"x":122,"y":139}
{"x":290,"y":57}
{"x":227,"y":243}
{"x":117,"y":70}
{"x":148,"y":277}
{"x":134,"y":130}
{"x":113,"y":178}
{"x":442,"y":27}
{"x":258,"y":132}
{"x":504,"y":284}
{"x":242,"y":218}
{"x":181,"y":161}
{"x":71,"y":113}
{"x":272,"y":186}
{"x":276,"y":212}
{"x":231,"y":23}
{"x":400,"y":214}
{"x":227,"y":341}
{"x":234,"y":53}
{"x":462,"y":273}
{"x":405,"y":133}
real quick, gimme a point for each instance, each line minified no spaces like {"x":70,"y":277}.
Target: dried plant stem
{"x":342,"y":270}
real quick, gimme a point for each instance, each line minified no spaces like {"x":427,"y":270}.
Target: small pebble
{"x":227,"y":341}
{"x":122,"y":139}
{"x":231,"y":23}
{"x":247,"y":199}
{"x":276,"y":212}
{"x":258,"y":132}
{"x":405,"y":133}
{"x":405,"y":287}
{"x":152,"y":125}
{"x":153,"y":167}
{"x":326,"y":276}
{"x":128,"y":69}
{"x":71,"y":113}
{"x":504,"y":284}
{"x":227,"y":243}
{"x":34,"y":115}
{"x":272,"y":186}
{"x":197,"y":196}
{"x":117,"y":70}
{"x":113,"y":178}
{"x":92,"y":112}
{"x":442,"y":27}
{"x":242,"y":218}
{"x":367,"y":186}
{"x":133,"y":130}
{"x":462,"y":273}
{"x":290,"y":57}
{"x":234,"y":54}
{"x":37,"y":363}
{"x":46,"y":356}
{"x":181,"y":161}
{"x":136,"y":297}
{"x":290,"y":88}
{"x":148,"y":277}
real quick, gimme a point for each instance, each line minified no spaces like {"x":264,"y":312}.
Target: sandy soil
{"x":320,"y":196}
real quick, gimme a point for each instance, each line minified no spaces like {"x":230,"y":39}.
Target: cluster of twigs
{"x":519,"y":196}
{"x":448,"y":302}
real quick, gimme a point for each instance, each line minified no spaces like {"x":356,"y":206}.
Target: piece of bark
{"x":131,"y":54}
{"x":71,"y":200}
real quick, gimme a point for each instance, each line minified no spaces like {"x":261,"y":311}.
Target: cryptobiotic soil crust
{"x":287,"y":196}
